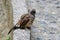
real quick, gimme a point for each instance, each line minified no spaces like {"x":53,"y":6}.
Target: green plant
{"x":8,"y":37}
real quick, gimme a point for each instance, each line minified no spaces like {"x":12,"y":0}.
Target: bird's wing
{"x":21,"y":20}
{"x":31,"y":19}
{"x":25,"y":20}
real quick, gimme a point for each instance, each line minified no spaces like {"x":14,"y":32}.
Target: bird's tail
{"x":12,"y":29}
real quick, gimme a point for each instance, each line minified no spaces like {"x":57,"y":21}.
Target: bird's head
{"x":33,"y":12}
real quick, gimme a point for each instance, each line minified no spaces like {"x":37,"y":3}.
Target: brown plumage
{"x":25,"y":21}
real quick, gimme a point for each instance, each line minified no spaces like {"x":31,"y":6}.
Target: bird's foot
{"x":29,"y":28}
{"x":22,"y":27}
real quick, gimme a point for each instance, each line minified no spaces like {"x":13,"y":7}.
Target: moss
{"x":8,"y":37}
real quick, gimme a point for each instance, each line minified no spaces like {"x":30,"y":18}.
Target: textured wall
{"x":5,"y":18}
{"x":46,"y":25}
{"x":3,"y":21}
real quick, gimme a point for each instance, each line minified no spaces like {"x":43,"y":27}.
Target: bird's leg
{"x":22,"y":27}
{"x":29,"y":28}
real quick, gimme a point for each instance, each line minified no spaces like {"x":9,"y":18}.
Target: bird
{"x":25,"y":21}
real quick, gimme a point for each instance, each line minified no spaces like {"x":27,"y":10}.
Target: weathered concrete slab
{"x":47,"y":22}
